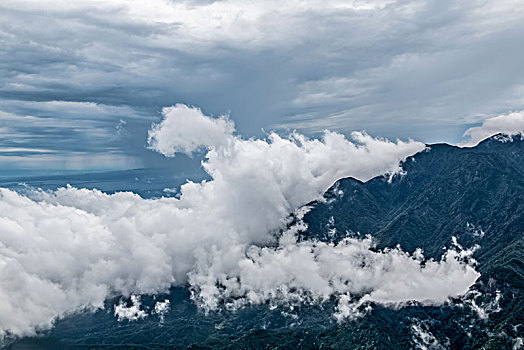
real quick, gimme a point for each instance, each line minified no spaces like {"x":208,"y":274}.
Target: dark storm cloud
{"x":423,"y":69}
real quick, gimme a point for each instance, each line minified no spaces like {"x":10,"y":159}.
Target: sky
{"x":84,"y":81}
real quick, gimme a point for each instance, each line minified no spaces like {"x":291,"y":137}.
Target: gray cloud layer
{"x":423,"y":69}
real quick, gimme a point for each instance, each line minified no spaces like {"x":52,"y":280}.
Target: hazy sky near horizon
{"x":82,"y":81}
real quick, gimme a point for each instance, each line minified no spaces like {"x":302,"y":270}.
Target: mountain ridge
{"x":474,"y":194}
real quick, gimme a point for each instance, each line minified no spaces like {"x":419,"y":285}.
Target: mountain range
{"x":473,"y":195}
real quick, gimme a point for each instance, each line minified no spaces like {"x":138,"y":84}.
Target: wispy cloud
{"x":23,"y":150}
{"x":64,"y":135}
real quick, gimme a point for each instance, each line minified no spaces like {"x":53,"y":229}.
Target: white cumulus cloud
{"x":187,"y":129}
{"x":69,"y":250}
{"x":314,"y":271}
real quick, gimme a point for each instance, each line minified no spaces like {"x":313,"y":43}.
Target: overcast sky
{"x":82,"y":81}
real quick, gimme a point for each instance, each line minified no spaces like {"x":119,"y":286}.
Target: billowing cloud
{"x":69,"y":250}
{"x":508,"y":124}
{"x":315,"y":271}
{"x":186,"y":129}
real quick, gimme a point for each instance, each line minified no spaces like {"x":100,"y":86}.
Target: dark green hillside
{"x":475,"y":194}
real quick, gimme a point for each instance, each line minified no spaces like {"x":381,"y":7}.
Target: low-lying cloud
{"x":313,"y":271}
{"x":508,"y":124}
{"x":69,"y":250}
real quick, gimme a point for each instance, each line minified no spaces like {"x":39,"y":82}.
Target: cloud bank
{"x":69,"y":250}
{"x":509,"y":124}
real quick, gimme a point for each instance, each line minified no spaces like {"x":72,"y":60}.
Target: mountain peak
{"x":503,"y":138}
